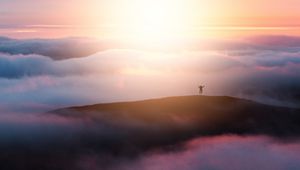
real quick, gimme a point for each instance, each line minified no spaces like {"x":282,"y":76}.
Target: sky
{"x":133,"y":19}
{"x":63,"y":53}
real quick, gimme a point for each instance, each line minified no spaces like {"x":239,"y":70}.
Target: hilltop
{"x":197,"y":115}
{"x":114,"y":131}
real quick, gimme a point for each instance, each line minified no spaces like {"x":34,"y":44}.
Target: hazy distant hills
{"x":191,"y":115}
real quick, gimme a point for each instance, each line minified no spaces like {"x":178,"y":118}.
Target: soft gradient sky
{"x":119,"y":18}
{"x":64,"y":53}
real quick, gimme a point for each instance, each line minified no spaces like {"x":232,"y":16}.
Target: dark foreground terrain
{"x":129,"y":129}
{"x":198,"y":115}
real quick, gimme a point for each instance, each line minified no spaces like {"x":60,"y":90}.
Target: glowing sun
{"x":154,"y":19}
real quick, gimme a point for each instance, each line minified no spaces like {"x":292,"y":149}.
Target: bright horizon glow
{"x":153,"y":21}
{"x":147,"y":21}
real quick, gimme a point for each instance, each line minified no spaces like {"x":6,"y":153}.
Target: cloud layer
{"x":55,"y":48}
{"x":250,"y":69}
{"x":44,"y":141}
{"x":40,"y":75}
{"x":222,"y":153}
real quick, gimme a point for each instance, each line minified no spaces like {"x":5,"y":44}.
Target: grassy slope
{"x":197,"y":114}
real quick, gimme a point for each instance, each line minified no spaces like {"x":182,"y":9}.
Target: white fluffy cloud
{"x":237,"y":69}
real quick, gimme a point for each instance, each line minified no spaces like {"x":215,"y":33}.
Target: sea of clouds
{"x":39,"y":75}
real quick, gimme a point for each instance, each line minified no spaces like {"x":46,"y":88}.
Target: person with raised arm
{"x":201,"y":87}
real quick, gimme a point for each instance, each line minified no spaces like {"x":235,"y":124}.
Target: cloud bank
{"x":222,"y":153}
{"x":258,"y":68}
{"x":55,"y":48}
{"x":44,"y":141}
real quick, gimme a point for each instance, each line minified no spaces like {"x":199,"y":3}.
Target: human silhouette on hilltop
{"x":201,"y":87}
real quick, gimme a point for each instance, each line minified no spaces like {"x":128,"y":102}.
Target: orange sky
{"x":115,"y":18}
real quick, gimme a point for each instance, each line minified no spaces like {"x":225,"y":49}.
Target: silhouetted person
{"x":201,"y":89}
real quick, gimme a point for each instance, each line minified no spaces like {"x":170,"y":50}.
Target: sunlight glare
{"x":153,"y":20}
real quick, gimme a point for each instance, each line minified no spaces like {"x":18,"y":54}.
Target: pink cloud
{"x":223,"y":153}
